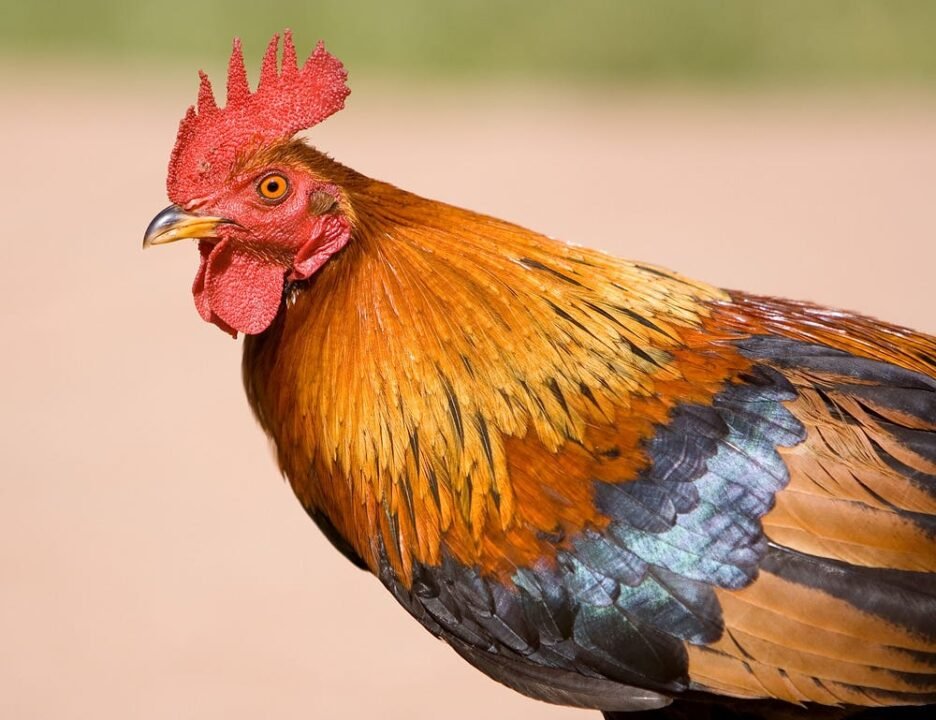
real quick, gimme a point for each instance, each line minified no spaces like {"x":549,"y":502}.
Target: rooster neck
{"x":393,"y":380}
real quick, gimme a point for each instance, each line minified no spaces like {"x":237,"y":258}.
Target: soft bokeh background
{"x":152,"y":562}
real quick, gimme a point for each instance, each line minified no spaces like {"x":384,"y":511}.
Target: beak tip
{"x":165,"y":219}
{"x":173,"y":223}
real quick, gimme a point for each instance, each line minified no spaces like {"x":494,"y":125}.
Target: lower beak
{"x":174,"y":223}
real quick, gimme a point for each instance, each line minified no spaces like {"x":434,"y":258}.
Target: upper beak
{"x":174,"y":223}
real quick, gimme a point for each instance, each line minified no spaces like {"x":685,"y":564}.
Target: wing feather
{"x":844,"y":607}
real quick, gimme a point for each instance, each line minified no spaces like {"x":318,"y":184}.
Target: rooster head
{"x":239,"y":186}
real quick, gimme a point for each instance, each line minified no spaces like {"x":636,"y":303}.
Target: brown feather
{"x":798,"y":644}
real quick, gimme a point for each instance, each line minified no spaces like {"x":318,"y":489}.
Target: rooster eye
{"x":273,"y":187}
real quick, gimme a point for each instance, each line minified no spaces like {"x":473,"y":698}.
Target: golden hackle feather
{"x":443,"y":351}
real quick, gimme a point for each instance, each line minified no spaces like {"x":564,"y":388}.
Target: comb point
{"x":315,"y":55}
{"x":238,"y":91}
{"x":268,"y":70}
{"x":206,"y":99}
{"x":290,"y":63}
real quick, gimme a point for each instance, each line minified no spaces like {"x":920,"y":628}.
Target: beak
{"x":174,"y":223}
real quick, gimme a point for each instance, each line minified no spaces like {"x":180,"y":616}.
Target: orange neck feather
{"x":393,"y":381}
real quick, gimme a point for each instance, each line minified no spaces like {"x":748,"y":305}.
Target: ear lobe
{"x":198,"y":287}
{"x":331,"y":233}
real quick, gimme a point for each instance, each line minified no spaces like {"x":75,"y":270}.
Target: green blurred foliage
{"x":629,"y":41}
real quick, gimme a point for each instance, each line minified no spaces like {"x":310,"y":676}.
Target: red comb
{"x":284,"y":103}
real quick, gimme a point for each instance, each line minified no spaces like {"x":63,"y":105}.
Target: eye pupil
{"x":272,"y":186}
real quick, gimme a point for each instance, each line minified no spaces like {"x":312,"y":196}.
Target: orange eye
{"x":273,"y":187}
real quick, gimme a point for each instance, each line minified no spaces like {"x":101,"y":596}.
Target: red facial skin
{"x":239,"y":284}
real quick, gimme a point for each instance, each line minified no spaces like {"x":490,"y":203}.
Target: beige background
{"x":152,"y":562}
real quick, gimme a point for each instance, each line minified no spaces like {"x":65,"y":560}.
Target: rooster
{"x":601,"y":483}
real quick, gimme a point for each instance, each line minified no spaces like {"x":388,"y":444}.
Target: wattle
{"x":235,"y":289}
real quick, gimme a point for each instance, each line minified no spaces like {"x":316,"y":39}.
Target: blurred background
{"x":152,"y":562}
